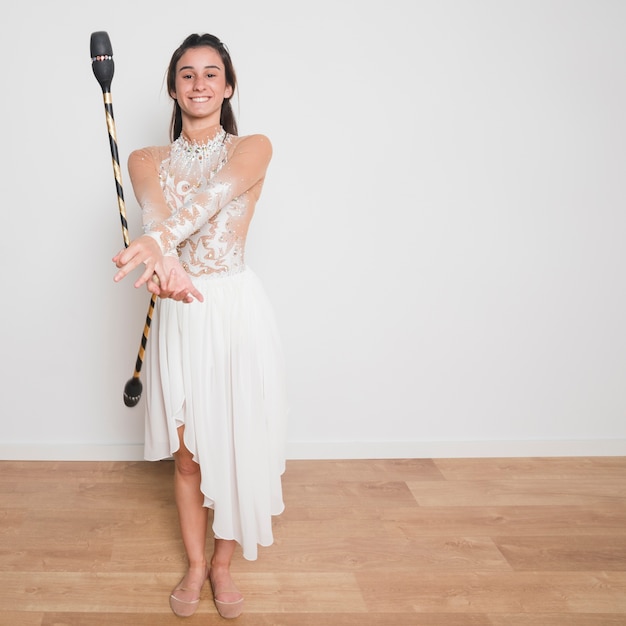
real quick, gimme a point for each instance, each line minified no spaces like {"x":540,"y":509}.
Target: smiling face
{"x":200,"y":86}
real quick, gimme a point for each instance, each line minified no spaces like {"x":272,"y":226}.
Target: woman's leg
{"x":228,"y":600}
{"x":223,"y":585}
{"x":193,"y":518}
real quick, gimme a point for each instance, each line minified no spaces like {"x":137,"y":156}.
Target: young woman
{"x":214,"y":376}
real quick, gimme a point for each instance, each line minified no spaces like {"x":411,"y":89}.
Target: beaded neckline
{"x":196,"y":162}
{"x":194,"y":150}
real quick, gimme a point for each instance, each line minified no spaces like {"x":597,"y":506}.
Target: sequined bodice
{"x":197,"y":199}
{"x":218,"y":246}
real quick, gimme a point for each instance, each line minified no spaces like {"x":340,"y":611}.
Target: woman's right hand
{"x":142,"y":250}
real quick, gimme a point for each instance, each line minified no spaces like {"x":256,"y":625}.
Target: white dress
{"x":215,"y":367}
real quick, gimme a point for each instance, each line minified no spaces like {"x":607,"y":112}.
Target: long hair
{"x":227,"y":116}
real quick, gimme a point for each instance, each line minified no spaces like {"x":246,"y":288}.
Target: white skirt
{"x":217,"y":368}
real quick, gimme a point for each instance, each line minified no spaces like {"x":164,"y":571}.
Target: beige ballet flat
{"x":185,"y":608}
{"x":228,"y":610}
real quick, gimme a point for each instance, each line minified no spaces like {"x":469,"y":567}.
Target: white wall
{"x":441,"y":231}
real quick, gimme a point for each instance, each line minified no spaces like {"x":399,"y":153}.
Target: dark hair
{"x":227,"y":117}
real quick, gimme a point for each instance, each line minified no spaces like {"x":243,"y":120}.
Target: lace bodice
{"x":198,"y":197}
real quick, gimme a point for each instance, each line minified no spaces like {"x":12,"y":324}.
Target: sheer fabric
{"x":198,"y":199}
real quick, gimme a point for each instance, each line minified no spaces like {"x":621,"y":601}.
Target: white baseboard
{"x":71,"y":452}
{"x":341,"y":450}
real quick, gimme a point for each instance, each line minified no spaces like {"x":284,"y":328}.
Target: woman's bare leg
{"x":221,"y":580}
{"x":228,"y":600}
{"x":193,"y":518}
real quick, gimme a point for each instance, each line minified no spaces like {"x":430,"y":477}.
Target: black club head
{"x":132,"y":392}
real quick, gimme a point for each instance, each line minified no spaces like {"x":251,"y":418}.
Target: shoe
{"x":185,"y":608}
{"x":228,"y":610}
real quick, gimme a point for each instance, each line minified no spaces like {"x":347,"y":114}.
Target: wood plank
{"x":84,"y":495}
{"x":556,"y":619}
{"x":259,"y":619}
{"x":124,"y":619}
{"x":495,"y":592}
{"x":337,"y":526}
{"x":352,"y":493}
{"x":566,"y":552}
{"x":561,"y":468}
{"x":413,"y":522}
{"x":363,"y":619}
{"x":21,"y":618}
{"x":358,"y":511}
{"x":544,"y":492}
{"x":361,"y":470}
{"x":37,"y":472}
{"x":380,"y":554}
{"x":86,"y":592}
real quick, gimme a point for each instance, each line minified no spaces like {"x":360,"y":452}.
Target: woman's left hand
{"x":178,"y":285}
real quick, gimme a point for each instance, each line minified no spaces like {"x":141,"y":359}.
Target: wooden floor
{"x":480,"y":542}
